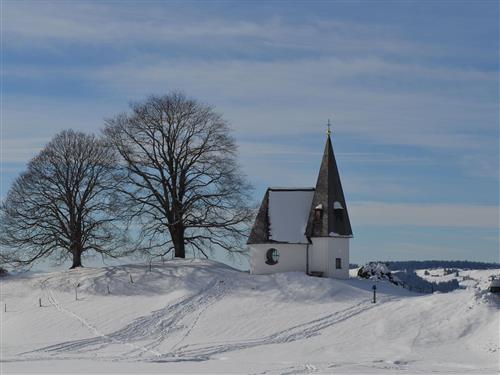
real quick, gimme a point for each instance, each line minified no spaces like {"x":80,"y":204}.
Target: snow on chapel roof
{"x":288,"y":212}
{"x":282,"y":216}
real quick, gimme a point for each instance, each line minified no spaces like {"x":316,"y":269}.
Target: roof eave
{"x":271,"y":242}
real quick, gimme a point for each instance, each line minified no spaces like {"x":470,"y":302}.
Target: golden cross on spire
{"x":328,"y":131}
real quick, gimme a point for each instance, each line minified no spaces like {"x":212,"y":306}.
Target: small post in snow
{"x":150,"y":261}
{"x":40,"y":301}
{"x":5,"y":308}
{"x":108,"y":289}
{"x":131,"y":280}
{"x":76,"y":291}
{"x":374,"y":287}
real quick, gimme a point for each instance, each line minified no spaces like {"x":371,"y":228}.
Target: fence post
{"x":76,"y":291}
{"x":374,"y":287}
{"x":40,"y":301}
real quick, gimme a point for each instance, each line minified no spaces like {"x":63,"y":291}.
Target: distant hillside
{"x":428,"y":264}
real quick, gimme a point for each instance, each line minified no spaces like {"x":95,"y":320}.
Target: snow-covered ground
{"x":193,"y":316}
{"x":479,"y":279}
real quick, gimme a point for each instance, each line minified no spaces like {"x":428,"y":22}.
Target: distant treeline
{"x":424,"y":264}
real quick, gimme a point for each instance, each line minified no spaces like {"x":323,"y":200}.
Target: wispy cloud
{"x":426,"y":215}
{"x":275,"y":149}
{"x":412,"y":251}
{"x":482,"y":165}
{"x":20,"y":150}
{"x":300,"y":90}
{"x":50,"y":22}
{"x":365,"y":75}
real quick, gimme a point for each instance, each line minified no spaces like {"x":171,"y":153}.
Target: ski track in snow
{"x":306,"y":368}
{"x":298,"y":332}
{"x":162,"y":323}
{"x":302,"y":369}
{"x":100,"y":336}
{"x":221,"y":291}
{"x":156,"y":326}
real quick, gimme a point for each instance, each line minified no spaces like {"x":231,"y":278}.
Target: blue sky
{"x":411,"y":88}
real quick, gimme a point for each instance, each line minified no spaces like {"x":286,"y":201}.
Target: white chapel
{"x":304,"y":229}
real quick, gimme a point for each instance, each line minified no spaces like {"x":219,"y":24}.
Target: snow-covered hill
{"x":479,"y":279}
{"x":200,"y":316}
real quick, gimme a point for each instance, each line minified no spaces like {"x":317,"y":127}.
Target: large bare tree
{"x":184,"y":184}
{"x":64,"y":204}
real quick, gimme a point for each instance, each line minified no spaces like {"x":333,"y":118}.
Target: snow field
{"x":197,"y":316}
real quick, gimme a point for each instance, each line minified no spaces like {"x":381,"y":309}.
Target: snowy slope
{"x":198,"y":316}
{"x":466,"y":278}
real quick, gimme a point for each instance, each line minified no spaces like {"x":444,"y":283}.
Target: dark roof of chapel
{"x":333,"y":219}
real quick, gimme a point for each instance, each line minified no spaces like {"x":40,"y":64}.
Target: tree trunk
{"x":177,"y":235}
{"x":77,"y":258}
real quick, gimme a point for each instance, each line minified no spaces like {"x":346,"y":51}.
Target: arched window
{"x":337,"y":205}
{"x":272,"y":256}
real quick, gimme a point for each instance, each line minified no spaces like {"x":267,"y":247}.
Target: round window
{"x":272,"y":256}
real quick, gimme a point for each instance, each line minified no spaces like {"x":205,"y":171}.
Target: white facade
{"x":323,"y":255}
{"x":292,"y":257}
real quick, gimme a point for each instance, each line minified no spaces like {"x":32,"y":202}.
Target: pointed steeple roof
{"x":328,"y":215}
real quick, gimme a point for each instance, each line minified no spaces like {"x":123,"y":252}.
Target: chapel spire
{"x":328,"y":215}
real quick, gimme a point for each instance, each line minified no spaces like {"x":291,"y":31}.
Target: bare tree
{"x":64,"y":204}
{"x":183,"y":181}
{"x":4,"y":262}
